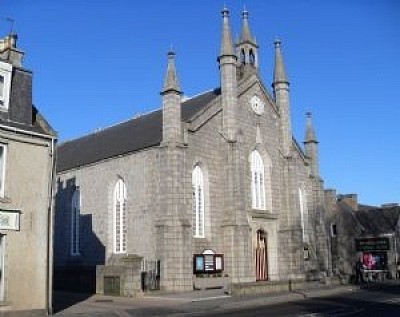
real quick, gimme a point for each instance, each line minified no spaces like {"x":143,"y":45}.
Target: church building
{"x":205,"y":189}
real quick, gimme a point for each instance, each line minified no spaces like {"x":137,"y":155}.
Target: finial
{"x":225,"y":11}
{"x":12,"y":23}
{"x":171,"y":54}
{"x":245,"y":13}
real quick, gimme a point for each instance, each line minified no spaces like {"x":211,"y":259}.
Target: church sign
{"x":10,"y":219}
{"x":208,"y":262}
{"x":372,"y":244}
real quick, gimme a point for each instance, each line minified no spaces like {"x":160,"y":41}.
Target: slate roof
{"x":372,"y":220}
{"x":378,"y":221}
{"x":130,"y":136}
{"x":39,"y":124}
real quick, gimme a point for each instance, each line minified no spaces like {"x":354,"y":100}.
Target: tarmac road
{"x":331,"y":302}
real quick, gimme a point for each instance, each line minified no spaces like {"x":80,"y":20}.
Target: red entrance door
{"x":261,"y":257}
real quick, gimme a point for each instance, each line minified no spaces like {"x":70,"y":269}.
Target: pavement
{"x":188,"y":303}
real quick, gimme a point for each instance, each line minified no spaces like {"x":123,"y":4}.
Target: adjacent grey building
{"x":27,"y":144}
{"x":369,"y":234}
{"x":209,"y":189}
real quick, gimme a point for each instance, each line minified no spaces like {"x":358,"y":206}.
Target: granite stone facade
{"x":27,"y":146}
{"x":217,"y":130}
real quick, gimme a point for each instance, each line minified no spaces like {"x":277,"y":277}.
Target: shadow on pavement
{"x":63,"y":300}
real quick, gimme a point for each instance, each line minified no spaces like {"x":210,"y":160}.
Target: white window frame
{"x":198,"y":203}
{"x":303,"y":215}
{"x":3,"y":169}
{"x":5,"y":72}
{"x":75,"y":222}
{"x":258,"y":200}
{"x":119,"y":218}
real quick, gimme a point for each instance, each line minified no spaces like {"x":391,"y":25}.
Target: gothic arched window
{"x":242,"y":57}
{"x":303,"y":214}
{"x":119,"y":217}
{"x":252,"y":58}
{"x":257,"y":181}
{"x":75,"y":215}
{"x":198,"y":202}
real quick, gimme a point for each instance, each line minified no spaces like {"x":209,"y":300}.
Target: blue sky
{"x":97,"y":63}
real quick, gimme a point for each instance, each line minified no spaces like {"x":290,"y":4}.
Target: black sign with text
{"x":372,"y":244}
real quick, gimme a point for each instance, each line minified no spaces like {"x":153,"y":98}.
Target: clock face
{"x":257,"y":105}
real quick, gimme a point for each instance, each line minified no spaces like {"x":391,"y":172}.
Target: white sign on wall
{"x":9,"y":219}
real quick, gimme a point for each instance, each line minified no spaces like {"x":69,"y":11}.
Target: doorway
{"x":261,"y":256}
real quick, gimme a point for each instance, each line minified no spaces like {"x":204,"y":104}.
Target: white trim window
{"x":303,"y":215}
{"x":5,"y":85}
{"x":119,"y":217}
{"x":198,"y":202}
{"x":75,"y":217}
{"x":257,"y":181}
{"x":3,"y":154}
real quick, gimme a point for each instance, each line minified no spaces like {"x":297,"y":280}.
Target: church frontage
{"x":207,"y":190}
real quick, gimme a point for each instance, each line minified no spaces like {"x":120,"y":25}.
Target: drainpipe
{"x":395,"y":251}
{"x":50,"y":222}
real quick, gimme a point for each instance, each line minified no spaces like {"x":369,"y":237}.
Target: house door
{"x":261,"y":256}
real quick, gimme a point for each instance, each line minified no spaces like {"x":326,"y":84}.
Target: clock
{"x":257,"y":105}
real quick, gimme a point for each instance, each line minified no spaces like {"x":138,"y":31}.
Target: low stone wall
{"x":265,"y":287}
{"x":210,"y":282}
{"x":123,"y":277}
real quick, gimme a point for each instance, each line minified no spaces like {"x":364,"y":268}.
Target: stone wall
{"x":27,"y":189}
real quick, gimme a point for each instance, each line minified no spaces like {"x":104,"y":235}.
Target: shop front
{"x":374,"y":254}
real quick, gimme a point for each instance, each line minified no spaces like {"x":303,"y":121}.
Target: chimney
{"x":9,"y":51}
{"x":350,"y":200}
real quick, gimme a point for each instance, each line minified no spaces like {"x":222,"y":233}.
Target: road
{"x":384,"y":302}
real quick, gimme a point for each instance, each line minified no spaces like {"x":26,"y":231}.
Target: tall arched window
{"x":303,"y":214}
{"x":257,"y":181}
{"x":120,"y":217}
{"x":252,"y":58}
{"x":242,"y":57}
{"x":75,"y":214}
{"x":198,"y":202}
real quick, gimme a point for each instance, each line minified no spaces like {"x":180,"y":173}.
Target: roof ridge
{"x":137,"y":116}
{"x":197,"y":95}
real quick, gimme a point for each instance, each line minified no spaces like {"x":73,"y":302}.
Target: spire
{"x":171,"y":99}
{"x":171,"y":82}
{"x":227,"y":68}
{"x":226,"y":43}
{"x":246,"y":36}
{"x":246,"y":49}
{"x":279,"y":72}
{"x":310,"y":133}
{"x":311,"y":147}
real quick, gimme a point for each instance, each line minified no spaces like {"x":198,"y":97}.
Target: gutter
{"x":22,"y":131}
